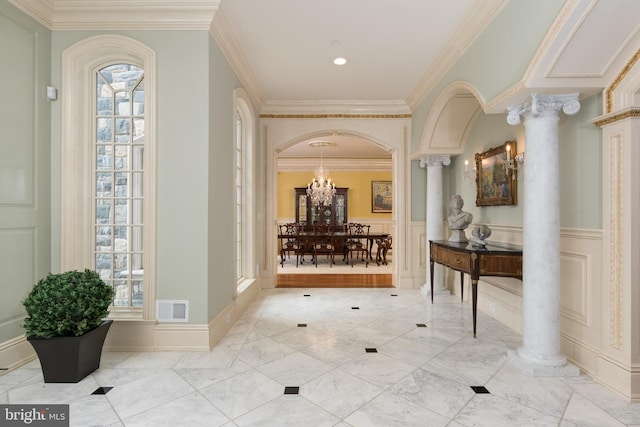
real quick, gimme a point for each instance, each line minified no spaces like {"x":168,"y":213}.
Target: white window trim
{"x":242,"y":106}
{"x":79,"y":64}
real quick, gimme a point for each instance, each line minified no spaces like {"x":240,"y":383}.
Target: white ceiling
{"x":392,"y":48}
{"x":398,"y":50}
{"x":390,"y":45}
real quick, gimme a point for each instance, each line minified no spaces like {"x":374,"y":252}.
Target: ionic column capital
{"x":541,"y":104}
{"x":439,"y":160}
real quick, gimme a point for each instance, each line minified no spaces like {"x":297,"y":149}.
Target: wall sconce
{"x":514,"y":163}
{"x":469,"y":174}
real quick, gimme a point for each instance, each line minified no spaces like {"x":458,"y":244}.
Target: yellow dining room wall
{"x":358,"y":196}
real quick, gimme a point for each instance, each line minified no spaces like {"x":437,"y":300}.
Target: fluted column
{"x":435,"y":218}
{"x":540,"y":352}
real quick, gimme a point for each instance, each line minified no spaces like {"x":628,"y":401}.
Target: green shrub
{"x":66,"y":304}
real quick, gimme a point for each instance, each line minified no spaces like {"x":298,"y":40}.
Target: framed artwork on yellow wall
{"x":381,"y":196}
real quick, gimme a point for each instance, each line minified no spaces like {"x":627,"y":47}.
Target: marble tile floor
{"x":332,"y":357}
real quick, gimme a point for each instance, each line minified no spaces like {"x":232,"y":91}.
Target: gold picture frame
{"x":381,"y":196}
{"x":495,"y":183}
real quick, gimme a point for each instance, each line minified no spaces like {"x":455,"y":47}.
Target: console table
{"x":494,"y":259}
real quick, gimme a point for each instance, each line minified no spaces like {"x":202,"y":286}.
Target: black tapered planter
{"x":70,"y":359}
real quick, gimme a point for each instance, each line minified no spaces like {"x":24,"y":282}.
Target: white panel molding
{"x":418,"y":253}
{"x":580,"y":291}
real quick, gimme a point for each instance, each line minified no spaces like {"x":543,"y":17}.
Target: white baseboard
{"x":148,"y":335}
{"x":15,"y":353}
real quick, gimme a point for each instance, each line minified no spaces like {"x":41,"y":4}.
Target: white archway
{"x":392,"y":132}
{"x":450,"y":120}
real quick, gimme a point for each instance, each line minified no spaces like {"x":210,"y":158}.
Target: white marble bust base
{"x":458,"y":236}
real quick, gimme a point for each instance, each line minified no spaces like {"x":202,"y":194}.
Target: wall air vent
{"x":172,"y":310}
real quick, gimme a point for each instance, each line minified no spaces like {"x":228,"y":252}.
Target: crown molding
{"x":224,"y":36}
{"x":477,"y":20}
{"x":297,"y":164}
{"x":121,"y":14}
{"x":40,"y":10}
{"x":396,"y":109}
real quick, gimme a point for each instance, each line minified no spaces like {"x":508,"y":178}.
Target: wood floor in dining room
{"x":340,"y":275}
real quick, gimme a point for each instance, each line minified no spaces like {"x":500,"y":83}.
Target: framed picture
{"x":381,"y":196}
{"x":495,"y":184}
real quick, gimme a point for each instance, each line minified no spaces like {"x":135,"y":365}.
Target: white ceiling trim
{"x":354,"y":107}
{"x":291,"y":164}
{"x":223,"y":33}
{"x":121,"y":14}
{"x":477,"y":20}
{"x":41,"y":11}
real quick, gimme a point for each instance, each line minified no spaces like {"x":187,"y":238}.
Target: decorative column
{"x":435,"y":218}
{"x":540,"y":352}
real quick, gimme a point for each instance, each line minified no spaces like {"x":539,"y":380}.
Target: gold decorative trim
{"x":616,"y":241}
{"x":335,"y":116}
{"x":617,"y":117}
{"x":609,"y":91}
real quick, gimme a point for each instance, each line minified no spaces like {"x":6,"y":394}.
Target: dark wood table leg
{"x":431,"y":276}
{"x":462,"y":286}
{"x":474,"y":293}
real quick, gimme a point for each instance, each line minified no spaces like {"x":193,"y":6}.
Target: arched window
{"x":108,"y":168}
{"x":119,"y":174}
{"x":244,"y":195}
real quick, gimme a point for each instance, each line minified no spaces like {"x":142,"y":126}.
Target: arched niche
{"x":450,"y":120}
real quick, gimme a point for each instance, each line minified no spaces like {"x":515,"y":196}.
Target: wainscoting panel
{"x":574,"y":269}
{"x":581,"y":290}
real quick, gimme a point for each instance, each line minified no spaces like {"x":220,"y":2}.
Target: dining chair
{"x":383,"y":246}
{"x":289,"y":242}
{"x":358,"y":242}
{"x":323,"y":243}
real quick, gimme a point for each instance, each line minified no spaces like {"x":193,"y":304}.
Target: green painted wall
{"x":183,"y":81}
{"x":498,"y":58}
{"x":494,"y":62}
{"x":580,"y":174}
{"x":221,"y":218}
{"x":25,"y":197}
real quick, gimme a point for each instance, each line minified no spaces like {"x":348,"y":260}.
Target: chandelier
{"x":321,"y":190}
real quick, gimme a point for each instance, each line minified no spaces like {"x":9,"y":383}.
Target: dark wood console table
{"x":494,"y":259}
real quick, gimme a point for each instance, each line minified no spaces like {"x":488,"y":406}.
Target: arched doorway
{"x":389,"y":132}
{"x":358,"y":168}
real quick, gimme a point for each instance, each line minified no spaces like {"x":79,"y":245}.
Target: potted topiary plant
{"x":66,"y":323}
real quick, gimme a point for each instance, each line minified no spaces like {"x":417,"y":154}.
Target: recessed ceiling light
{"x":339,"y":61}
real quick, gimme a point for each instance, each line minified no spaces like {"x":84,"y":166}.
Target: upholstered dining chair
{"x":358,"y":242}
{"x":323,"y":243}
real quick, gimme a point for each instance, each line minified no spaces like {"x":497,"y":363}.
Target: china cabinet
{"x":334,"y":215}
